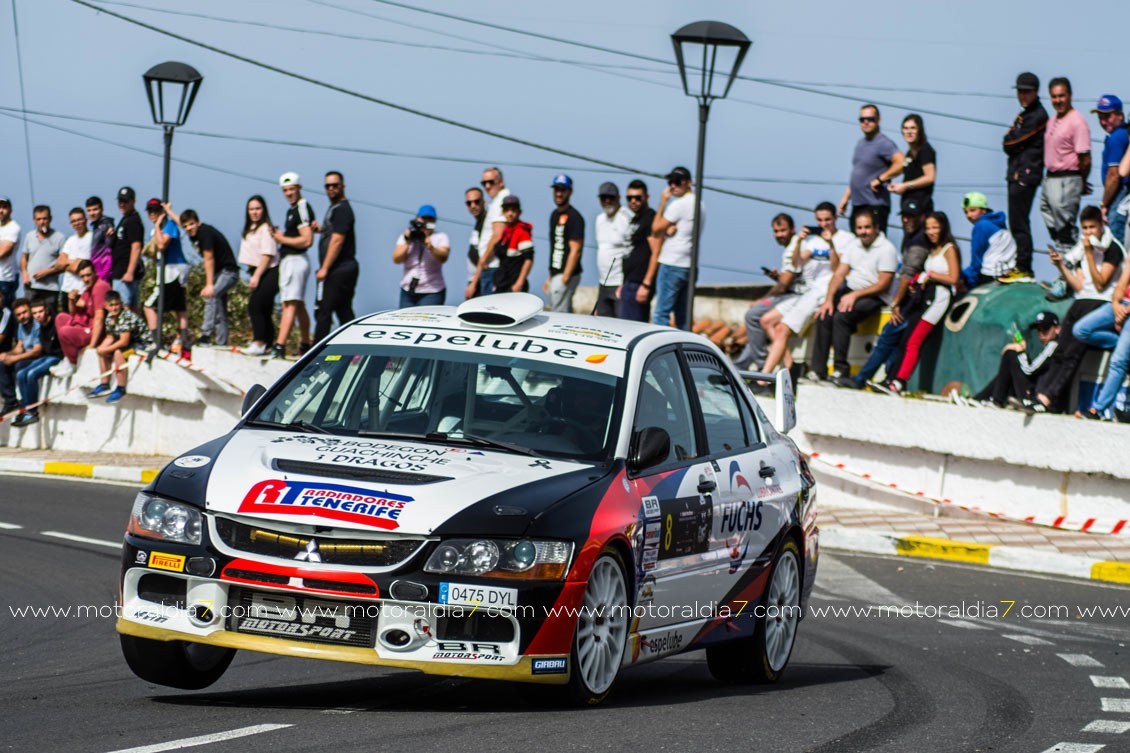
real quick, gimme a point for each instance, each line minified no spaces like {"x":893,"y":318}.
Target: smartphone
{"x":766,"y":271}
{"x":813,"y":229}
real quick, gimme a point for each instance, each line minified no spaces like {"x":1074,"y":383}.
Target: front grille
{"x":331,"y":551}
{"x":301,"y":618}
{"x":371,"y":475}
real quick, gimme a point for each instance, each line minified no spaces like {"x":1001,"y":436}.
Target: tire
{"x":176,"y":664}
{"x":763,"y":657}
{"x":599,"y":642}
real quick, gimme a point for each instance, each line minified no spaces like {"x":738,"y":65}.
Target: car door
{"x":672,"y":536}
{"x":756,"y":482}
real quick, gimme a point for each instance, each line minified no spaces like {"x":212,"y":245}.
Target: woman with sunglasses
{"x":919,"y":171}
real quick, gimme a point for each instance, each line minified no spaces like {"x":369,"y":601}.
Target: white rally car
{"x":491,"y":492}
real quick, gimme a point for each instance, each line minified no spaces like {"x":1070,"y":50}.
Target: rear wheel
{"x":602,"y":631}
{"x":177,"y":664}
{"x":763,"y":657}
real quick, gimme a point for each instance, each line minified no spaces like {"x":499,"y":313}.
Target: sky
{"x":80,"y":63}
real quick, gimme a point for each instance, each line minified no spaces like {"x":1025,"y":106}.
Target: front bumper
{"x":162,"y":601}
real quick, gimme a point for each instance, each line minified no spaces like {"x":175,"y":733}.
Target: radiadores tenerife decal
{"x":329,"y":501}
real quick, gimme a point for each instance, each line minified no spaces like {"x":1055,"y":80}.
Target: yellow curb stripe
{"x":148,"y":474}
{"x":943,"y":549}
{"x":1113,"y":572}
{"x":85,"y":470}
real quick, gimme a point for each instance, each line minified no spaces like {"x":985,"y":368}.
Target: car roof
{"x":606,"y":331}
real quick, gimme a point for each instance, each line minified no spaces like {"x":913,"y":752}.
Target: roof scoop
{"x":500,"y":310}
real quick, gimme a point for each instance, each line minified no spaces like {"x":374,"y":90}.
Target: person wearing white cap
{"x":613,"y":243}
{"x":296,"y":236}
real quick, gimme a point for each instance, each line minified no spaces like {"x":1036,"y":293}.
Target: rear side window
{"x":727,"y":429}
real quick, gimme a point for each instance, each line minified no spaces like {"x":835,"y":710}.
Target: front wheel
{"x":602,"y":631}
{"x":763,"y":657}
{"x":177,"y":664}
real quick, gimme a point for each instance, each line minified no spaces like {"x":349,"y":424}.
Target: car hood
{"x":372,"y":484}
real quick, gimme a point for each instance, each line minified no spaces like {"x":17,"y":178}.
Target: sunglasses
{"x":485,"y":183}
{"x":868,"y":119}
{"x":634,"y":197}
{"x":473,"y":202}
{"x":608,"y":199}
{"x":333,"y":185}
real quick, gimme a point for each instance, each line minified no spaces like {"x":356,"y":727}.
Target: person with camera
{"x":423,"y":252}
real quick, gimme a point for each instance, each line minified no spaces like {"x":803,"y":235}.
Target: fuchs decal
{"x":330,"y":501}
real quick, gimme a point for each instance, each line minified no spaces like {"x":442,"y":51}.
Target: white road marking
{"x":342,"y":710}
{"x":191,"y":742}
{"x":1080,"y":660}
{"x":841,"y":580}
{"x":1104,"y":681}
{"x":9,"y":527}
{"x":1121,"y":705}
{"x":964,"y":624}
{"x":1074,"y":748}
{"x":83,"y":539}
{"x":1107,"y":727}
{"x":1029,"y":640}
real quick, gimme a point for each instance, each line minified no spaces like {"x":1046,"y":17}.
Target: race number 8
{"x":670,"y":533}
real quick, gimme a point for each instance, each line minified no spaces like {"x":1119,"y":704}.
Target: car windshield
{"x":451,"y":397}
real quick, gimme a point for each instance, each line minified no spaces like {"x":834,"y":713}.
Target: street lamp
{"x":715,"y":51}
{"x":171,"y":88}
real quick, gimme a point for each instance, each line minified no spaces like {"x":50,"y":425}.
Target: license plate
{"x":478,"y":596}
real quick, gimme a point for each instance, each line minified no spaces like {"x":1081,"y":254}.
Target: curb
{"x":996,"y":556}
{"x":80,"y":470}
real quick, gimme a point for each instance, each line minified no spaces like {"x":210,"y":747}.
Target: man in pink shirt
{"x":82,"y":326}
{"x":1067,"y":158}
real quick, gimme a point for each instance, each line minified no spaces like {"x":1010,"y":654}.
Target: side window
{"x":721,"y":411}
{"x":664,"y":402}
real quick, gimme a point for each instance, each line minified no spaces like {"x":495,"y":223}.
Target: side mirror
{"x":257,"y":391}
{"x":784,"y":403}
{"x":650,"y":446}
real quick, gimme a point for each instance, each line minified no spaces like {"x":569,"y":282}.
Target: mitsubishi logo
{"x":311,"y":554}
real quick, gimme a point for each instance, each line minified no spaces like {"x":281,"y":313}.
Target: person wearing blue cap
{"x":566,"y":240}
{"x":337,"y":260}
{"x":423,"y":252}
{"x":1113,"y":121}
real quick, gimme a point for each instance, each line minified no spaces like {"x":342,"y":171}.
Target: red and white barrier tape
{"x":1061,"y":522}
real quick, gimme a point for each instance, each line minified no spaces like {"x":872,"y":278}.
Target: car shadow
{"x":670,"y":682}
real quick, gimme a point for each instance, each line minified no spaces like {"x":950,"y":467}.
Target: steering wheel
{"x":530,"y":416}
{"x":579,"y":435}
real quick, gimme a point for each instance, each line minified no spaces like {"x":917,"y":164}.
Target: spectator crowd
{"x":84,"y":291}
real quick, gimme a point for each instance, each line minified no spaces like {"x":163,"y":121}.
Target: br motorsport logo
{"x":331,"y":501}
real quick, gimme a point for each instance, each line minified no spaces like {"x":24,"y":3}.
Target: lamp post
{"x":171,"y":88}
{"x":701,"y":42}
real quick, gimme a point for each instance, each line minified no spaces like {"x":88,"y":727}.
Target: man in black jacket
{"x":1024,"y":145}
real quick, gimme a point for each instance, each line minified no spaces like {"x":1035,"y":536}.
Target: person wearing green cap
{"x":993,"y":250}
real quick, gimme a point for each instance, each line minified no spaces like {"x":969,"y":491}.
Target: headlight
{"x":165,"y":520}
{"x":494,"y":558}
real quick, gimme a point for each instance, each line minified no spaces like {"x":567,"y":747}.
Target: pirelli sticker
{"x":162,"y":561}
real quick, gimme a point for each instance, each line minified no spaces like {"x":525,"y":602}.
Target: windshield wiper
{"x":293,"y":426}
{"x":477,"y":441}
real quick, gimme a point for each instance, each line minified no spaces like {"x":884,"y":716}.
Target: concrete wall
{"x":167,"y":410}
{"x":999,"y":460}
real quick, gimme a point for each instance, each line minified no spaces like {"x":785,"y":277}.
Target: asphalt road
{"x":1014,"y":682}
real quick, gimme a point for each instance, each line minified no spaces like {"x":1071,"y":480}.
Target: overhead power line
{"x":663,"y":61}
{"x":23,"y":102}
{"x":548,"y":166}
{"x":411,"y":110}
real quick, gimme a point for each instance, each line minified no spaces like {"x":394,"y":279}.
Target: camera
{"x":416,"y":230}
